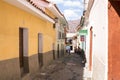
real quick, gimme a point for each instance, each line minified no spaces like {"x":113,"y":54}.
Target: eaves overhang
{"x":54,"y":9}
{"x":90,"y":4}
{"x":25,"y":5}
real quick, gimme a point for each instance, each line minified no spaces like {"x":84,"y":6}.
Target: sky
{"x":72,"y":9}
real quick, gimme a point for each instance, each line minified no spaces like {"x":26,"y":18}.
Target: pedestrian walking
{"x":68,"y":49}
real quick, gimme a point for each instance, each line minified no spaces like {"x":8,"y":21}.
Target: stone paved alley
{"x":67,"y":68}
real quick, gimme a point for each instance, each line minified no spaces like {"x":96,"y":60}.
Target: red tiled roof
{"x":40,"y":5}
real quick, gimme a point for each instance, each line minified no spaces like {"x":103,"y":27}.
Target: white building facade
{"x":98,"y":23}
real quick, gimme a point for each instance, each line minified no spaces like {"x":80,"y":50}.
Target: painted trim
{"x":91,"y":45}
{"x":40,"y":43}
{"x":25,"y":42}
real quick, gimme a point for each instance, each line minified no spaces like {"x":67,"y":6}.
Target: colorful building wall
{"x":11,"y":20}
{"x":114,"y":40}
{"x":98,"y":19}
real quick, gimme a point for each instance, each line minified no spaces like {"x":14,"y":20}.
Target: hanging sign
{"x":83,"y":32}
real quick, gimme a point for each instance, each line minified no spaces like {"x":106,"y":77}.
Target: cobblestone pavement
{"x":67,"y":68}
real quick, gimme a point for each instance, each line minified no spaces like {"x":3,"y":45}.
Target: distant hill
{"x":72,"y":25}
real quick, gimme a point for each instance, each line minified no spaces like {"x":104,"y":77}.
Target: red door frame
{"x":90,"y":57}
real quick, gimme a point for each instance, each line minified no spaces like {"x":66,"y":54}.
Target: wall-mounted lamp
{"x":56,"y":20}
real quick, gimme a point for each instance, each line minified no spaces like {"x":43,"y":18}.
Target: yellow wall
{"x":11,"y":18}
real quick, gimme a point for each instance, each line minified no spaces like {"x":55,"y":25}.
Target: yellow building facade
{"x":26,"y":42}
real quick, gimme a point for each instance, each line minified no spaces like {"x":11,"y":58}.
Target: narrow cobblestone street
{"x":67,"y":68}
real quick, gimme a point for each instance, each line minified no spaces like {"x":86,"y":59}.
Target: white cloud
{"x":82,"y":1}
{"x":72,"y":9}
{"x":69,"y":3}
{"x":73,"y":4}
{"x":71,"y":14}
{"x":57,"y":1}
{"x":77,"y":10}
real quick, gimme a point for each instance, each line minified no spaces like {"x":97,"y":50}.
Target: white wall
{"x":88,"y":47}
{"x":71,"y":34}
{"x":99,"y":21}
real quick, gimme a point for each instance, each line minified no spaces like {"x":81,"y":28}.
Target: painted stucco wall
{"x":11,"y":19}
{"x":114,"y":40}
{"x":98,"y":19}
{"x":87,"y":47}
